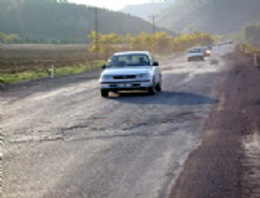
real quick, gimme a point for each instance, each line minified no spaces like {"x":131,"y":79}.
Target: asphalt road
{"x":63,"y":140}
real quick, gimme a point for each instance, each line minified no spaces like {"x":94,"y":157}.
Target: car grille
{"x":125,"y":77}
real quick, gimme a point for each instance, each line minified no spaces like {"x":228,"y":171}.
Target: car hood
{"x":195,"y":54}
{"x":127,"y":70}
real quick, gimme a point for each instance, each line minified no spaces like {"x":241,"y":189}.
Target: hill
{"x":145,"y":11}
{"x":52,"y":19}
{"x":215,"y":16}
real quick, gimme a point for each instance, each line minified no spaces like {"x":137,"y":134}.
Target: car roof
{"x":132,"y":53}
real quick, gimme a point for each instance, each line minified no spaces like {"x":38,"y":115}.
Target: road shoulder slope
{"x":222,"y":166}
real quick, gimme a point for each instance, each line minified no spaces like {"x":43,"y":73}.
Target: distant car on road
{"x":136,"y":70}
{"x":195,"y":54}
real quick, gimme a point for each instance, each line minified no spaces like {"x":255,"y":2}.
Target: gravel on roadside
{"x":225,"y":163}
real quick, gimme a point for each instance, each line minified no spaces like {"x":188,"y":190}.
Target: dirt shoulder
{"x":225,"y":163}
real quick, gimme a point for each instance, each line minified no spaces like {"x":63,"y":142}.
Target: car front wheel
{"x":159,"y":87}
{"x":152,"y":89}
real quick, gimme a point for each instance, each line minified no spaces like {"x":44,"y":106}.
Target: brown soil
{"x":221,"y":166}
{"x":36,"y":57}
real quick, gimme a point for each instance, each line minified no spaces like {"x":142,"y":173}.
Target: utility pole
{"x":153,"y":22}
{"x":97,"y":35}
{"x":153,"y":19}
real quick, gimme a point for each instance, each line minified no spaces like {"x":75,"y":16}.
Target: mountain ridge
{"x":145,"y":11}
{"x":42,"y":20}
{"x":216,"y":17}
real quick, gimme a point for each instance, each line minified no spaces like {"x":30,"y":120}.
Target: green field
{"x":19,"y":62}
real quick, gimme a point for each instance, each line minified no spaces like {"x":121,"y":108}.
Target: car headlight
{"x":144,"y":76}
{"x":107,"y":77}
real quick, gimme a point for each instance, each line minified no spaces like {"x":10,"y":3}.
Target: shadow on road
{"x":164,"y":98}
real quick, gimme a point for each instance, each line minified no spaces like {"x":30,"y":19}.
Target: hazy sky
{"x":110,"y":4}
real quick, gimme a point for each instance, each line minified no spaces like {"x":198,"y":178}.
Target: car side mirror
{"x":155,"y":63}
{"x":103,"y":67}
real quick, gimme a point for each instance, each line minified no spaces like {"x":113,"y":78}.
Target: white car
{"x":206,"y":51}
{"x":195,"y":54}
{"x":131,"y":71}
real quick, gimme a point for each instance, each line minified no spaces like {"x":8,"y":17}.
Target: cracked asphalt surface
{"x":63,"y":140}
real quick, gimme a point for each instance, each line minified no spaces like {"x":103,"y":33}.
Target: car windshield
{"x":197,"y":50}
{"x":129,"y":60}
{"x":204,"y":48}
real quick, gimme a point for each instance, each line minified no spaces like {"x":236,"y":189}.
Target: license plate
{"x":123,"y":85}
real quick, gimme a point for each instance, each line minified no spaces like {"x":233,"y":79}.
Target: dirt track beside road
{"x":226,"y":164}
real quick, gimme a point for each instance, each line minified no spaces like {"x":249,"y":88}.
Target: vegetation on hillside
{"x":56,"y":21}
{"x":252,"y":34}
{"x":214,"y":16}
{"x":147,"y":10}
{"x":12,"y":38}
{"x":251,"y":40}
{"x":249,"y":49}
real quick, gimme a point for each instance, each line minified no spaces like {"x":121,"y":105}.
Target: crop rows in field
{"x":38,"y":57}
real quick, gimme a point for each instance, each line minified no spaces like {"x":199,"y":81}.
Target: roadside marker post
{"x":51,"y":71}
{"x":256,"y":60}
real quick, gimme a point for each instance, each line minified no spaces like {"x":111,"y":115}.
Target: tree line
{"x":11,"y":38}
{"x":57,"y":21}
{"x":15,"y":39}
{"x":159,"y":43}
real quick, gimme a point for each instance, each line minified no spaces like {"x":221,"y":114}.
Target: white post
{"x":255,"y":59}
{"x":52,"y":71}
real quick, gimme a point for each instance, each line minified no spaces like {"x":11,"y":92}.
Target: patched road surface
{"x":63,"y":140}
